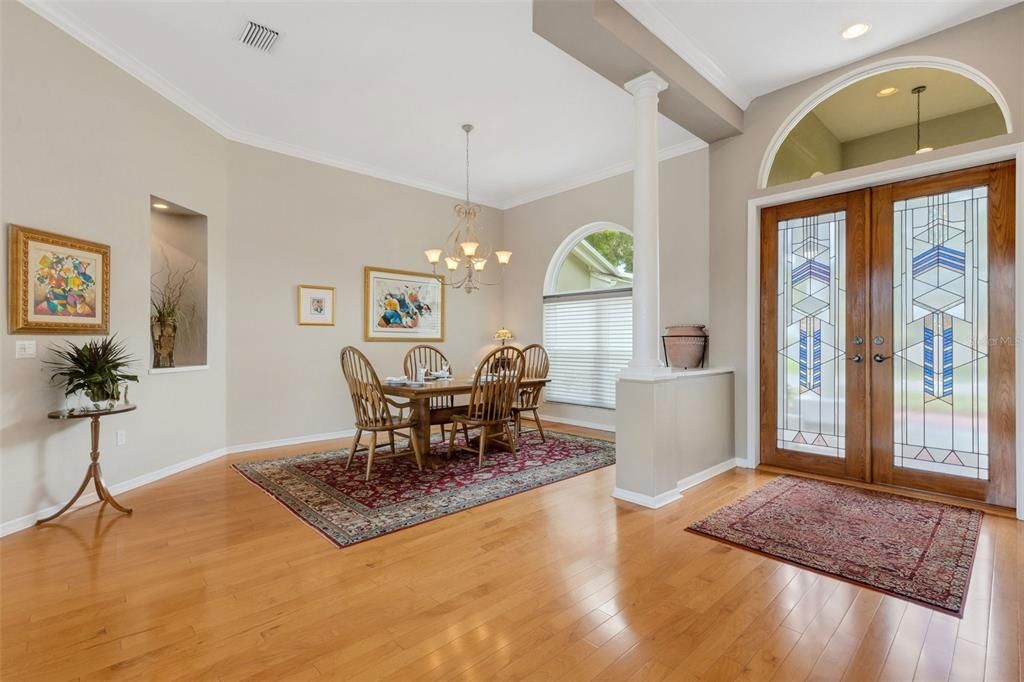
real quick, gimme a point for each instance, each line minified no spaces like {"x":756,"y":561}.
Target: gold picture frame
{"x":402,"y":305}
{"x":57,"y":284}
{"x":314,"y":305}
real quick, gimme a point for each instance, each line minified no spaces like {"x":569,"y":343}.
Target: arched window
{"x":885,"y":111}
{"x":588,"y":314}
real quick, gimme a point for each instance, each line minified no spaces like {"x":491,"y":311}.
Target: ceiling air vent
{"x":258,"y":36}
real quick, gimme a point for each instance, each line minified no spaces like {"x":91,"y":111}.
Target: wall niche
{"x":178,"y":287}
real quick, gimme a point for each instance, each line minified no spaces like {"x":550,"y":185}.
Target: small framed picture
{"x":316,"y":305}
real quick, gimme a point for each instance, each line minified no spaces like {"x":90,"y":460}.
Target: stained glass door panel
{"x":942,"y":373}
{"x":814,"y":257}
{"x":940,"y":333}
{"x":811,"y":321}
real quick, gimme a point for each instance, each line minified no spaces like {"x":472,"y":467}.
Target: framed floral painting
{"x":316,"y":305}
{"x":57,"y":284}
{"x":402,"y":306}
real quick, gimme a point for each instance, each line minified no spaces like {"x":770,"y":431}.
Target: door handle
{"x":856,"y":357}
{"x":878,"y":357}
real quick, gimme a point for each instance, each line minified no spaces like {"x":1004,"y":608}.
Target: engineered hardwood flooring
{"x":212,"y":579}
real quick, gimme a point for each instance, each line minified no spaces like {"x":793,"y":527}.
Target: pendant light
{"x":918,"y":91}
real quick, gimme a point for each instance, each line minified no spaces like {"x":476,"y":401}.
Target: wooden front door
{"x":814,"y":320}
{"x":887,"y":334}
{"x":942,"y":318}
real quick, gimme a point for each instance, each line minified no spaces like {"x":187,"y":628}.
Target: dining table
{"x":419,"y":396}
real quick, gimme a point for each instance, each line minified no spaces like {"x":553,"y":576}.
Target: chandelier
{"x":463,"y":253}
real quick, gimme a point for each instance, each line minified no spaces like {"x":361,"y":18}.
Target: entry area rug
{"x":914,"y":549}
{"x":348,"y":509}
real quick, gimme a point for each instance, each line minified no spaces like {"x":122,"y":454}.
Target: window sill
{"x":178,"y":370}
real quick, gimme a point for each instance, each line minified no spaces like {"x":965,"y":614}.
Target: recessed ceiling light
{"x":885,"y":92}
{"x":855,"y":31}
{"x":924,"y":150}
{"x":162,"y":207}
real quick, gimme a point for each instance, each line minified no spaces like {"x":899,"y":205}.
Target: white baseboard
{"x":657,"y":501}
{"x":118,"y":488}
{"x":28,"y":520}
{"x":648,"y":501}
{"x":578,"y":422}
{"x":294,"y":440}
{"x":709,"y":473}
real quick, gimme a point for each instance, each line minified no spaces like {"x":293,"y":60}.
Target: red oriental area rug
{"x":914,"y":549}
{"x":348,"y":509}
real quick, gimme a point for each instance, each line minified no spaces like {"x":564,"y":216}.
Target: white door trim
{"x":1001,"y":153}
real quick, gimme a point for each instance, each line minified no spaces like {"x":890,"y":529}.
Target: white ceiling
{"x":382,"y":88}
{"x":749,"y":48}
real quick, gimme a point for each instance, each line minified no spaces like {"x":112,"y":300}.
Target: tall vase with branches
{"x":172,"y":315}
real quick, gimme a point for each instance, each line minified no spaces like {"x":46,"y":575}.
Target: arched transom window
{"x":588,"y":314}
{"x":887,"y":114}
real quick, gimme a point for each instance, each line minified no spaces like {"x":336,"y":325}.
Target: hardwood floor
{"x":213,"y":579}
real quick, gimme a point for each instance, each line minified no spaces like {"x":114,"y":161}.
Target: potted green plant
{"x":170,"y":314}
{"x":96,"y":368}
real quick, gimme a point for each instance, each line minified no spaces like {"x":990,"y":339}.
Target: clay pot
{"x":685,"y":345}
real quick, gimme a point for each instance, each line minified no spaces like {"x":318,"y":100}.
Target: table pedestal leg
{"x":422,"y":430}
{"x":94,"y":474}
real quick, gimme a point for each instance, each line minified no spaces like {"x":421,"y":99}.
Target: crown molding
{"x":675,"y":150}
{"x":306,"y":154}
{"x":651,"y":18}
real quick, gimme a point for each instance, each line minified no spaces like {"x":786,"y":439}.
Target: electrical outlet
{"x":24,"y":349}
{"x":122,"y":437}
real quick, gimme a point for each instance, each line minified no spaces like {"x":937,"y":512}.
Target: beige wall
{"x":84,"y":147}
{"x":534,"y":232}
{"x":938,"y":133}
{"x":991,"y":44}
{"x":809,"y":147}
{"x":177,"y":244}
{"x":295,"y":222}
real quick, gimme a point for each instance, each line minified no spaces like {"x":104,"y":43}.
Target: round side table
{"x":94,"y":473}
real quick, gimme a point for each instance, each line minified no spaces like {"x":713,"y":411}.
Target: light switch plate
{"x":122,"y":437}
{"x":24,"y":349}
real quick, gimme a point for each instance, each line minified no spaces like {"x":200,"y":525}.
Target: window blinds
{"x":589,"y":338}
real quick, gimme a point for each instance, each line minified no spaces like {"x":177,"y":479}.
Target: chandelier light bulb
{"x":469,"y":248}
{"x":503,"y":256}
{"x":433,"y":256}
{"x":479,"y":263}
{"x":451,"y":263}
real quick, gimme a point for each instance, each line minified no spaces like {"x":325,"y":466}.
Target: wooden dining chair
{"x":490,"y":402}
{"x":432,"y":360}
{"x":528,"y":399}
{"x":373,"y":411}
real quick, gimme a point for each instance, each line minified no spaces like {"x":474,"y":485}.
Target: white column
{"x":646,"y":331}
